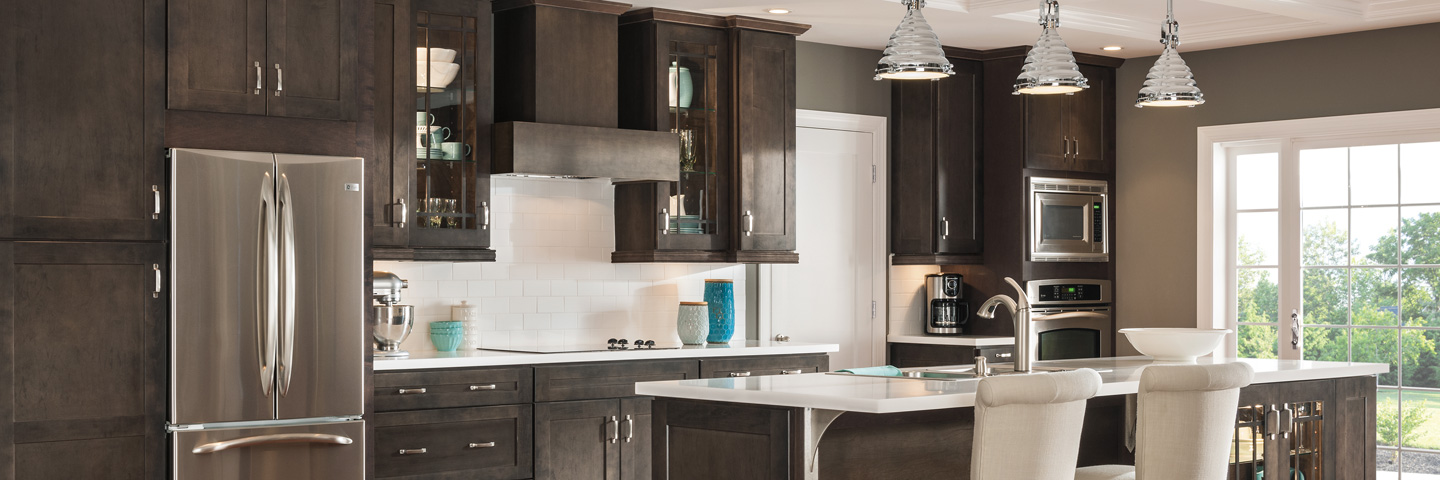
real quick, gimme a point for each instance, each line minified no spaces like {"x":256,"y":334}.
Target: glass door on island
{"x":446,"y":123}
{"x":694,"y":200}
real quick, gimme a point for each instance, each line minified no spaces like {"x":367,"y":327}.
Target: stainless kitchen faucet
{"x":1026,"y":339}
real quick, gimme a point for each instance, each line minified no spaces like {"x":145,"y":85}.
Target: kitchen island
{"x":837,"y":426}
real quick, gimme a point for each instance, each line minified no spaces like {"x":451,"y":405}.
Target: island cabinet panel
{"x":936,"y":184}
{"x":452,"y":388}
{"x":282,"y":58}
{"x":909,"y":355}
{"x":761,"y":366}
{"x":636,"y":434}
{"x":82,"y":120}
{"x":714,"y":440}
{"x":1322,"y":429}
{"x":83,"y":365}
{"x":606,"y":379}
{"x":485,"y":443}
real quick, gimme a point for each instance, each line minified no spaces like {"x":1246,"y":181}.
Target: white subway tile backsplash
{"x":553,"y":283}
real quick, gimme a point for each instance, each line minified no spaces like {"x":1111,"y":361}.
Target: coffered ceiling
{"x":1087,"y":25}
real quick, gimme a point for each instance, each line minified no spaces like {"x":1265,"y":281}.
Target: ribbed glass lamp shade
{"x":1050,"y":68}
{"x":1170,"y":83}
{"x":914,"y":51}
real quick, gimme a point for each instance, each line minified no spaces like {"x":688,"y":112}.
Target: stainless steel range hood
{"x":569,"y":151}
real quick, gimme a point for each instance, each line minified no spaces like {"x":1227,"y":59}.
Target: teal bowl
{"x":446,"y":342}
{"x":446,"y":324}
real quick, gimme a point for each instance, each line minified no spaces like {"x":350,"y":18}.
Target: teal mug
{"x":455,"y":150}
{"x":435,"y":137}
{"x":423,"y":119}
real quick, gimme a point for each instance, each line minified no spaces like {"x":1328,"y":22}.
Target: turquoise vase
{"x":720,"y":297}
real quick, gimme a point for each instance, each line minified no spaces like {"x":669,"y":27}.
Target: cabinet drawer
{"x":452,"y":388}
{"x":485,"y":443}
{"x":555,"y":383}
{"x":760,"y":366}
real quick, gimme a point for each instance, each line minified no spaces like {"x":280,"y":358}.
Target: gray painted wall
{"x":839,"y":79}
{"x":1367,"y":72}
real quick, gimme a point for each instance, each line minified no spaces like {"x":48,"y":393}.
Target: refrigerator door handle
{"x":266,"y":280}
{"x":285,"y":368}
{"x":323,"y":438}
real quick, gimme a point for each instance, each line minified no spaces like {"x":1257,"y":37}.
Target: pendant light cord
{"x":1170,"y":33}
{"x":1050,"y":13}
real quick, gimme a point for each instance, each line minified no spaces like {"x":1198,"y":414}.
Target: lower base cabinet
{"x":593,"y":439}
{"x":911,"y":355}
{"x":483,"y":443}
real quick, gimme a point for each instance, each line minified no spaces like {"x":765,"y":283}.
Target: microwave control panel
{"x":1097,"y":221}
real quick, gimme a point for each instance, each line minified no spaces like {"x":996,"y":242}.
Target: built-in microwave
{"x":1069,"y":219}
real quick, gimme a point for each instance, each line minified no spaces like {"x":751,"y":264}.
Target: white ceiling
{"x":1087,"y":25}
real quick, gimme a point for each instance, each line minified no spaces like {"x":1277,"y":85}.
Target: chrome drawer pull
{"x":259,"y":78}
{"x":482,"y":445}
{"x":156,"y":214}
{"x":412,"y":451}
{"x":475,"y":388}
{"x":792,"y":372}
{"x":739,"y":374}
{"x":408,"y":391}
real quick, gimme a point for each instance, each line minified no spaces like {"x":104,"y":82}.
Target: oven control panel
{"x":1068,"y":291}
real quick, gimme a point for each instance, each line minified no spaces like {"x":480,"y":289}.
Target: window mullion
{"x":1290,"y":248}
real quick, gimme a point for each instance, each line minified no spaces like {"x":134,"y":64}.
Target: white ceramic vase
{"x":693,"y":323}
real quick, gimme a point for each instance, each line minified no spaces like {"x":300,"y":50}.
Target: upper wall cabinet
{"x":1073,"y":133}
{"x":81,"y":120}
{"x":282,"y":58}
{"x":935,"y":168}
{"x":429,"y":177}
{"x":727,"y":87}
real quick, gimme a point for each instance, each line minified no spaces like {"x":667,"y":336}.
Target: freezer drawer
{"x":299,"y":452}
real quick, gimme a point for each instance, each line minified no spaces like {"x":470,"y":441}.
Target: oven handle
{"x":1072,"y":315}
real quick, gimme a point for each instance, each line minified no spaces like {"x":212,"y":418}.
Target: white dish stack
{"x":435,"y":68}
{"x":470,"y":314}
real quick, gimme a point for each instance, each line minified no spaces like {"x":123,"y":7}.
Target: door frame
{"x":877,"y":128}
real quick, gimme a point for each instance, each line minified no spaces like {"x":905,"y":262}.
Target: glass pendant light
{"x":914,"y":51}
{"x":1050,"y":66}
{"x":1170,"y":82}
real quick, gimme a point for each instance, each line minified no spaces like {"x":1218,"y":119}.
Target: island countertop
{"x":1120,"y":376}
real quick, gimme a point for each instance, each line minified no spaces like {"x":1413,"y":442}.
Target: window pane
{"x":1419,"y":167}
{"x":1257,"y":295}
{"x":1419,"y":462}
{"x":1420,"y":234}
{"x":1324,"y":177}
{"x":1256,"y":341}
{"x":1328,"y":344}
{"x":1420,"y":428}
{"x":1257,"y":238}
{"x":1377,"y":345}
{"x":1372,"y":236}
{"x":1421,"y":301}
{"x":1373,"y":296}
{"x":1387,"y":417}
{"x":1422,"y":365}
{"x":1257,"y":181}
{"x":1375,"y":175}
{"x":1386,"y":461}
{"x":1326,"y":296}
{"x":1326,"y":234}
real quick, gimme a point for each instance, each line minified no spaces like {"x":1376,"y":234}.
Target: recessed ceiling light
{"x":1113,"y":48}
{"x":778,"y":11}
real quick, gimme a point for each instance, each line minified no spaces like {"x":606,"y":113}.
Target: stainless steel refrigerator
{"x":267,"y":341}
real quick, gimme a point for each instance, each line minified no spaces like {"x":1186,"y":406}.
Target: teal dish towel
{"x":885,"y":371}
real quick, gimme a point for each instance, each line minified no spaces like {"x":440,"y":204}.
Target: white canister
{"x":693,"y":323}
{"x":470,"y":314}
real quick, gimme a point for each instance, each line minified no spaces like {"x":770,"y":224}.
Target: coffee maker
{"x":947,"y":311}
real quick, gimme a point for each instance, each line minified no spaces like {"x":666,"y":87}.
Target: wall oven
{"x":1071,"y":317}
{"x":1069,"y":220}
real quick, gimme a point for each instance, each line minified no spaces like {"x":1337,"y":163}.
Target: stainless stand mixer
{"x":392,"y":321}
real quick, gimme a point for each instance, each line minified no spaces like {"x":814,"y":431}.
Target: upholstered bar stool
{"x":1186,"y":421}
{"x":1028,"y":426}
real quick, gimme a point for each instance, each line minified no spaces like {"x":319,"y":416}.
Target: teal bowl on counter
{"x":446,"y":342}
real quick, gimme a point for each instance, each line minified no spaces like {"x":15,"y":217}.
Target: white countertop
{"x":961,"y":340}
{"x":491,"y":358}
{"x":1121,"y":376}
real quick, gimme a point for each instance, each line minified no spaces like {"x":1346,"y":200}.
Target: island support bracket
{"x":816,"y":421}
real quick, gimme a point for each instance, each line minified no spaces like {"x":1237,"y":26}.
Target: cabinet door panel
{"x":572,"y":440}
{"x":1088,"y":117}
{"x":93,"y":357}
{"x":635,"y":440}
{"x":1045,"y":136}
{"x":108,"y":458}
{"x":446,"y":435}
{"x":765,"y":139}
{"x":215,"y":46}
{"x":80,"y":119}
{"x":389,"y":170}
{"x":311,"y":58}
{"x":912,"y":168}
{"x":957,"y":160}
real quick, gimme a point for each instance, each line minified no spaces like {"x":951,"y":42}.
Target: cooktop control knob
{"x":649,"y":344}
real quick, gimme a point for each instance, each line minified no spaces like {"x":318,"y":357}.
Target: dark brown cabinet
{"x":485,"y":443}
{"x":909,"y":355}
{"x":727,"y":86}
{"x":1319,"y":429}
{"x":593,"y":439}
{"x":82,"y":120}
{"x":83,"y":361}
{"x":430,"y":175}
{"x":1073,"y":132}
{"x":283,"y":58}
{"x":762,"y":366}
{"x":936,"y":184}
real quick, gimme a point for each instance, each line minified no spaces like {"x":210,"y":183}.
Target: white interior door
{"x":828,"y":297}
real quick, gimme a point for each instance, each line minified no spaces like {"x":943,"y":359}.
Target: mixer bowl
{"x":391,"y":325}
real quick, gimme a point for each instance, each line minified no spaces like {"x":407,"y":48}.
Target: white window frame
{"x":1215,"y":224}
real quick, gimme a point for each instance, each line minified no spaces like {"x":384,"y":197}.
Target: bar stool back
{"x":1028,"y":426}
